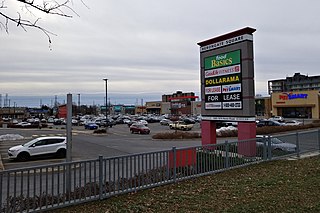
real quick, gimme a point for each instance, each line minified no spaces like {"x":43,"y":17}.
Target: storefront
{"x":300,"y":104}
{"x":153,"y":107}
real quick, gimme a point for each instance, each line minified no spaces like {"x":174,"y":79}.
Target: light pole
{"x":79,"y":107}
{"x":107,"y":109}
{"x":14,"y":109}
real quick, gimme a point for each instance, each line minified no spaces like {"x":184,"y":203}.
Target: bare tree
{"x":54,"y":7}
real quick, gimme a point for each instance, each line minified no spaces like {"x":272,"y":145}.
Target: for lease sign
{"x":222,"y":83}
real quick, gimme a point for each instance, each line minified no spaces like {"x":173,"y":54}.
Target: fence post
{"x":319,"y":138}
{"x":265,"y":154}
{"x":269,"y":148}
{"x":298,"y":144}
{"x":174,"y":151}
{"x":227,"y":154}
{"x":100,"y":176}
{"x":1,"y":190}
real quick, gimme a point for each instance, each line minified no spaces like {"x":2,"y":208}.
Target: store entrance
{"x":297,"y":112}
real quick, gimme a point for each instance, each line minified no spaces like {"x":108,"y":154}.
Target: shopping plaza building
{"x":295,"y":97}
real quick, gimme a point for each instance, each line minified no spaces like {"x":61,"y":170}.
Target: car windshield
{"x":139,"y":126}
{"x":30,"y":142}
{"x":276,"y":141}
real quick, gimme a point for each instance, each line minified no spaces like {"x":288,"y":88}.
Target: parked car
{"x":262,"y":123}
{"x":58,"y":121}
{"x":143,"y":122}
{"x":180,"y":125}
{"x":277,"y":144}
{"x":293,"y":123}
{"x":91,"y":126}
{"x":23,"y":124}
{"x":74,"y":122}
{"x":139,"y":128}
{"x":277,"y":118}
{"x":50,"y":120}
{"x":189,"y":121}
{"x":165,"y":122}
{"x":39,"y":146}
{"x":107,"y":123}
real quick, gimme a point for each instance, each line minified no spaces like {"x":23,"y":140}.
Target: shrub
{"x":176,"y":135}
{"x":100,"y":131}
{"x":233,"y":132}
{"x":276,"y":129}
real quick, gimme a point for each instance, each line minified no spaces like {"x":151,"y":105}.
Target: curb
{"x":305,"y":155}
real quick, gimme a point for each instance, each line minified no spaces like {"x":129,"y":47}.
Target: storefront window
{"x":297,"y":112}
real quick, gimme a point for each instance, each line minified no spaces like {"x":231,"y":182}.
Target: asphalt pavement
{"x":86,"y":145}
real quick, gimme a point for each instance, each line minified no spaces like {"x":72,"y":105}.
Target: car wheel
{"x":132,"y":131}
{"x":171,"y":127}
{"x":23,"y":156}
{"x":61,"y":153}
{"x":140,"y":132}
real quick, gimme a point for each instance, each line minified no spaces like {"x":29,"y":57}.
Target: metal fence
{"x":58,"y":185}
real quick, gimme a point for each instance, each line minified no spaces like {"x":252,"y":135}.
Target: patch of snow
{"x":10,"y":137}
{"x":225,"y":130}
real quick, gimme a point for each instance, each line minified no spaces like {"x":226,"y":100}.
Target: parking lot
{"x":86,"y":145}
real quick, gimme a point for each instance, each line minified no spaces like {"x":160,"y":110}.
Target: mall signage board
{"x":227,"y":77}
{"x":222,"y":87}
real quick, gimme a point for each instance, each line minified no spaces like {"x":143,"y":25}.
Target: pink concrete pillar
{"x":247,"y":131}
{"x":208,"y":132}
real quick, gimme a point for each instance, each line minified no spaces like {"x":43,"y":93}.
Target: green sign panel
{"x":117,"y":108}
{"x":222,"y":60}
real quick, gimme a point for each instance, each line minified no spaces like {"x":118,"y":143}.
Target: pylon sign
{"x":227,"y":77}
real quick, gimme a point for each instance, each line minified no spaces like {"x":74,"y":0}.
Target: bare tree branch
{"x":53,"y":8}
{"x":25,"y":23}
{"x":48,"y":7}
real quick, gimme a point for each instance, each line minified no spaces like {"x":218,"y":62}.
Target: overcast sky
{"x":150,"y":46}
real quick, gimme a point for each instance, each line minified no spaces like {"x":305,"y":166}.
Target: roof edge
{"x":246,"y":30}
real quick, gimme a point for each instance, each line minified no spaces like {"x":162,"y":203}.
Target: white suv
{"x":277,"y":118}
{"x":39,"y":146}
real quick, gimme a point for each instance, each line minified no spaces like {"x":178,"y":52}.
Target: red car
{"x":139,"y":128}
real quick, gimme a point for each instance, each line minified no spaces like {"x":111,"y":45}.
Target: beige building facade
{"x":297,"y":104}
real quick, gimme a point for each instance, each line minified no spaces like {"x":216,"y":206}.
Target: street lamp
{"x":107,"y":109}
{"x":79,"y":107}
{"x":14,"y":109}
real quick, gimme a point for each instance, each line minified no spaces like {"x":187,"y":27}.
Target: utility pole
{"x":107,"y":109}
{"x":69,"y":142}
{"x":69,"y":127}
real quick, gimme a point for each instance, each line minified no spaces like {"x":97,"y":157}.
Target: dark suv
{"x":107,"y":123}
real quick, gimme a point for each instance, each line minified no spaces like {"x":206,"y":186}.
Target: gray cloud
{"x":144,"y":46}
